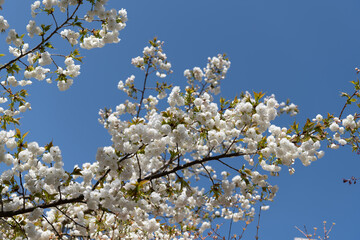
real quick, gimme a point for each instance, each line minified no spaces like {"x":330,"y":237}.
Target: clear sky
{"x":303,"y":50}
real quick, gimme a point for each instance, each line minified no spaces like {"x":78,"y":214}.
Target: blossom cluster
{"x":33,"y":29}
{"x":14,"y":38}
{"x":215,"y":71}
{"x":153,"y":57}
{"x":167,"y":173}
{"x":3,"y":24}
{"x":71,"y":36}
{"x":72,"y":70}
{"x":113,"y":22}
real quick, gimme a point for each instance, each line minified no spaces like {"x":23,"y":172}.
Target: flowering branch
{"x":143,"y":185}
{"x":188,"y":165}
{"x":60,"y":202}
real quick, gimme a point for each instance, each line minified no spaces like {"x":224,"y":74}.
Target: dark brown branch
{"x":6,"y":222}
{"x":79,"y":199}
{"x":143,"y":91}
{"x":52,"y":226}
{"x":23,"y":63}
{"x":203,"y":175}
{"x":168,"y":164}
{"x":138,"y":162}
{"x":189,"y":164}
{"x":342,"y":110}
{"x":232,"y":143}
{"x":19,"y":226}
{"x":237,"y":170}
{"x":53,"y":16}
{"x":22,"y":189}
{"x":76,"y":223}
{"x":212,"y":180}
{"x":57,"y":67}
{"x":107,"y":172}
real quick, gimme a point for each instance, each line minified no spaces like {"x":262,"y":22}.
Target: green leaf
{"x":23,"y":136}
{"x":48,"y":44}
{"x":18,"y":134}
{"x":143,"y":182}
{"x":258,"y":96}
{"x":45,"y":28}
{"x":48,"y":146}
{"x":248,"y":171}
{"x":76,"y":172}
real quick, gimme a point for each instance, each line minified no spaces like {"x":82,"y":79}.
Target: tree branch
{"x":52,"y":226}
{"x":79,"y":199}
{"x":143,"y":91}
{"x":189,"y":164}
{"x":342,"y":110}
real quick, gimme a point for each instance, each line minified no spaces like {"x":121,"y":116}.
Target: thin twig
{"x":232,"y":143}
{"x":57,"y":67}
{"x":300,"y":231}
{"x":144,"y":87}
{"x":107,"y":172}
{"x":244,"y":228}
{"x":231,"y":222}
{"x":22,"y":189}
{"x":76,"y":223}
{"x":305,"y":229}
{"x":237,"y":170}
{"x":212,"y":180}
{"x":138,"y":162}
{"x":23,"y":63}
{"x":52,"y":14}
{"x":52,"y":226}
{"x":21,"y":228}
{"x":342,"y":110}
{"x":167,"y":164}
{"x":258,"y":225}
{"x":189,"y":164}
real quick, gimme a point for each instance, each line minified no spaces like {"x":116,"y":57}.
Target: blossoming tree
{"x":160,"y":178}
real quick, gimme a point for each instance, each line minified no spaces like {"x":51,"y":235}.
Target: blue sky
{"x":303,"y":50}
